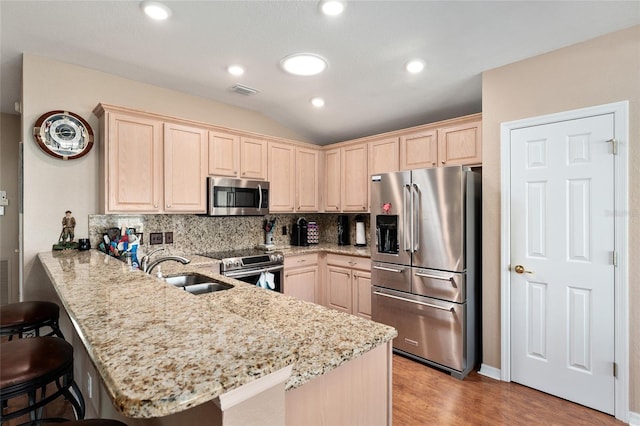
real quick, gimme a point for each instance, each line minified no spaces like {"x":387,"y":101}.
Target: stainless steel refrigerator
{"x":425,"y":229}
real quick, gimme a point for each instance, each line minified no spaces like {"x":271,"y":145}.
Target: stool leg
{"x":76,"y":401}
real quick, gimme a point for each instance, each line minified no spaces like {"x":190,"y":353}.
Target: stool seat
{"x":26,"y":360}
{"x":19,"y":318}
{"x":28,"y":366}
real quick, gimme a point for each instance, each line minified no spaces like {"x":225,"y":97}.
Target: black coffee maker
{"x":299,"y":233}
{"x":343,"y":230}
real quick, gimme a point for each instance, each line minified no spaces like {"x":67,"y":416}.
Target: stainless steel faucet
{"x":145,"y":259}
{"x":159,"y":260}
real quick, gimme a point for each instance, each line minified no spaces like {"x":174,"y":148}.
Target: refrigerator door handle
{"x":450,"y":278}
{"x":407,"y":230}
{"x":416,"y":217}
{"x":382,"y":268}
{"x":429,"y":305}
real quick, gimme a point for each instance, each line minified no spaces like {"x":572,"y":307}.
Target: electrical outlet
{"x":155,"y":238}
{"x":168,"y":237}
{"x":284,"y":230}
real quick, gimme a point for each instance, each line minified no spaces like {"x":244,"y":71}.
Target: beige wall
{"x":52,"y":186}
{"x":599,"y":71}
{"x":9,"y":144}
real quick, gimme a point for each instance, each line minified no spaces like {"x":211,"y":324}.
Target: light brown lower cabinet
{"x":347,"y":284}
{"x":302,"y":277}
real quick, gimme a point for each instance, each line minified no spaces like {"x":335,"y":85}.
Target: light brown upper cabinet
{"x":253,"y":158}
{"x":346,"y":179}
{"x":131,"y":163}
{"x":293,"y":178}
{"x":307,"y":180}
{"x":185,"y":168}
{"x":224,"y":154}
{"x":281,"y":160}
{"x":457,"y":142}
{"x":384,"y":156}
{"x":355,"y":178}
{"x":419,"y":150}
{"x":332,"y":180}
{"x":460,"y":144}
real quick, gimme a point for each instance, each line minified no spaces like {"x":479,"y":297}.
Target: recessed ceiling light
{"x":235,"y":70}
{"x":304,"y":64}
{"x":332,"y":7}
{"x":415,"y":66}
{"x":155,"y":10}
{"x":317,"y":102}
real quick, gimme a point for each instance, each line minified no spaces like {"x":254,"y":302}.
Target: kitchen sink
{"x":196,"y":283}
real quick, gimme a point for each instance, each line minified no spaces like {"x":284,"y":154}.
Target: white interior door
{"x":562,"y":273}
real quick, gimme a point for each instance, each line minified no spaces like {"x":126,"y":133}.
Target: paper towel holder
{"x":361,"y":236}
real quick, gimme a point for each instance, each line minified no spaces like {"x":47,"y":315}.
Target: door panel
{"x":562,"y":228}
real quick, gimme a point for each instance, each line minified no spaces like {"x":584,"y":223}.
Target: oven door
{"x":253,"y":276}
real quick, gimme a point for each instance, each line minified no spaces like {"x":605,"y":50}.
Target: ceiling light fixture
{"x":332,"y":7}
{"x":235,"y":70}
{"x":415,"y":66}
{"x":155,"y":10}
{"x":304,"y":64}
{"x":317,"y":102}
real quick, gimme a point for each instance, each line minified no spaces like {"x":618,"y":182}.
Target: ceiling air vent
{"x":243,"y":90}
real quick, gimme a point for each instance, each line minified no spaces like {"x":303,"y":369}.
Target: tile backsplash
{"x":197,"y":234}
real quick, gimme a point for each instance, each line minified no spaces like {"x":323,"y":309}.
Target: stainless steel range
{"x":253,"y":266}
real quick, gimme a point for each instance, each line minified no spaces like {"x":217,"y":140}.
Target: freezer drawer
{"x":427,"y":328}
{"x":393,"y":276}
{"x":449,"y":286}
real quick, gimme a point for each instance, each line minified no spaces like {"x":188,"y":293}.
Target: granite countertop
{"x":326,"y":248}
{"x":161,"y":350}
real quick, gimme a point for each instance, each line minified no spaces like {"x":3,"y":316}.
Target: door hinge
{"x":614,"y":146}
{"x":615,"y":369}
{"x":614,"y":258}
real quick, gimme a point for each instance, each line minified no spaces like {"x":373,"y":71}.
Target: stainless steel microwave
{"x":237,"y":197}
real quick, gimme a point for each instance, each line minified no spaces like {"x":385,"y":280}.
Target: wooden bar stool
{"x":23,"y":317}
{"x":27,"y":366}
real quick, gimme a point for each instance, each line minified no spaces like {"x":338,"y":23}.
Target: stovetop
{"x":245,"y":258}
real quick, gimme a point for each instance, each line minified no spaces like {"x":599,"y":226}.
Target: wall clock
{"x":63,"y":134}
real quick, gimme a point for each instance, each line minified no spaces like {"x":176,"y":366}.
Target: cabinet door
{"x":419,"y":150}
{"x":338,"y":289}
{"x":302,"y":283}
{"x":281,"y":177}
{"x":253,"y":158}
{"x":460,"y":144}
{"x":384,"y":156}
{"x":185,"y":168}
{"x":332,"y":186}
{"x":355,"y":179}
{"x":224,"y":154}
{"x":133,"y":168}
{"x":362,"y":294}
{"x":307,"y":176}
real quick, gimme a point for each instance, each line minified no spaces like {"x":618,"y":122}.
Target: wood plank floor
{"x":425,"y":396}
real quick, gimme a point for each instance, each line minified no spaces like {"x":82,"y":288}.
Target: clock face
{"x":63,"y":134}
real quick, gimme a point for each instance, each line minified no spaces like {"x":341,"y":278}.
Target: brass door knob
{"x":520,"y":270}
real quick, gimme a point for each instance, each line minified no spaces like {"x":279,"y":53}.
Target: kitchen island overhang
{"x":160,"y":351}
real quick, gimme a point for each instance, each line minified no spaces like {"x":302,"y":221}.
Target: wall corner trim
{"x":490,"y":372}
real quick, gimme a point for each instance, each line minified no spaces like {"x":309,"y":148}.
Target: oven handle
{"x":247,"y":272}
{"x":414,"y":301}
{"x":260,"y":198}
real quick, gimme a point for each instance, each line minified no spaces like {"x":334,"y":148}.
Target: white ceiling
{"x":365,"y":87}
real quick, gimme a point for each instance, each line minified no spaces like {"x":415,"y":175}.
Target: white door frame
{"x":621,"y":319}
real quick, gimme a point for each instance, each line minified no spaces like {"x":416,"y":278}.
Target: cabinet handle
{"x":337,"y":208}
{"x":168,"y":206}
{"x":433,"y":164}
{"x":444,"y":162}
{"x":235,"y":172}
{"x":302,"y":260}
{"x":155,"y":206}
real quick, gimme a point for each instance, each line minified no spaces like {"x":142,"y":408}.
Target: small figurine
{"x":68,"y":226}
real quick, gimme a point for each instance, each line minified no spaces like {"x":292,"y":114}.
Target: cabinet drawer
{"x":352,"y":262}
{"x":300,"y":260}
